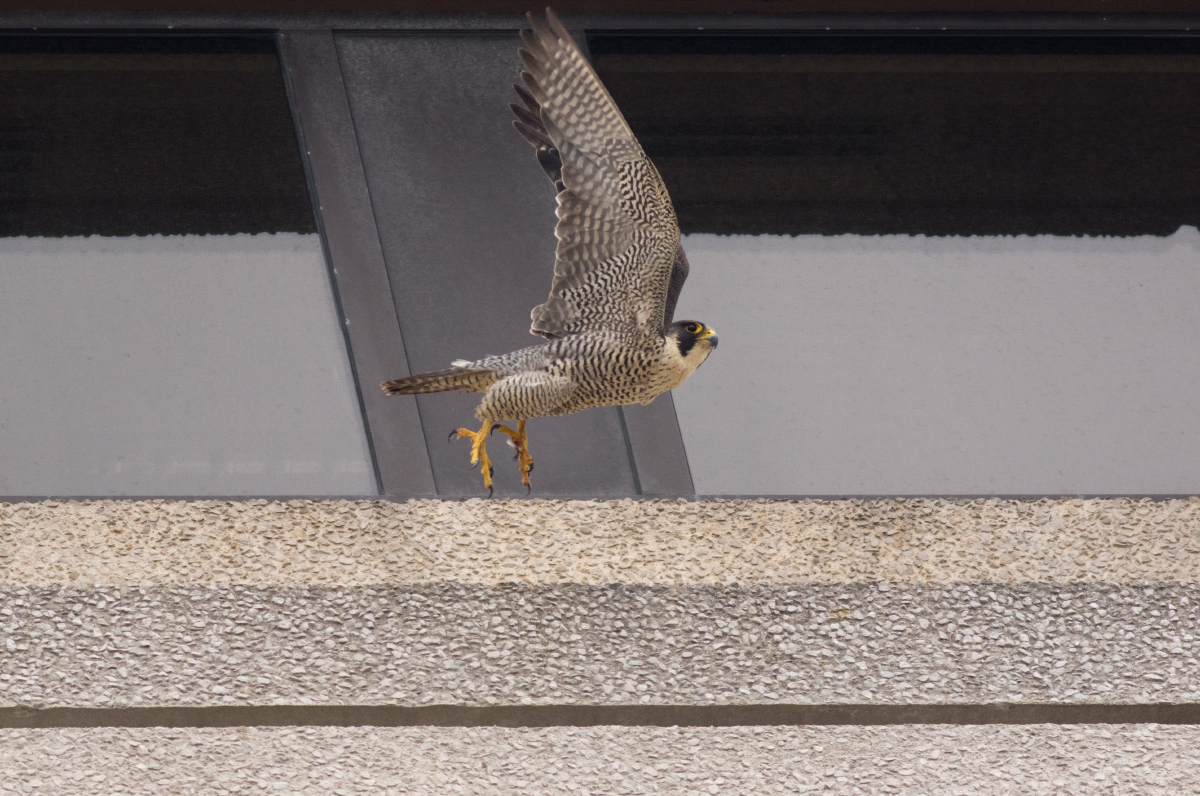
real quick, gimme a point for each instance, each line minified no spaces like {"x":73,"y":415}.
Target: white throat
{"x":685,"y":365}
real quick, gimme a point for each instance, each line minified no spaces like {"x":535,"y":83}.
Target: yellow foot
{"x":521,"y":443}
{"x":479,"y":453}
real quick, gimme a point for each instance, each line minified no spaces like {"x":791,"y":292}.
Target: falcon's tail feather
{"x":461,"y":379}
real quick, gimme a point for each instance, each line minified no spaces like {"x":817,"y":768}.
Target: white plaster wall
{"x":183,"y":365}
{"x":913,"y":365}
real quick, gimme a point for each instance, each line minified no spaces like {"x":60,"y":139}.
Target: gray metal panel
{"x":656,"y":444}
{"x":466,"y":222}
{"x":348,"y":228}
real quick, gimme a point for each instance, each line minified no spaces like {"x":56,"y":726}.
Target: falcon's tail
{"x":461,"y":379}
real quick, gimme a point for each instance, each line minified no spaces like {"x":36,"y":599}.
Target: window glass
{"x":938,"y":265}
{"x":168,"y":322}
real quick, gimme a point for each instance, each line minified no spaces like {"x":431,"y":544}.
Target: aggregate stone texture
{"x":1141,"y":760}
{"x":572,"y":644}
{"x":338,"y":542}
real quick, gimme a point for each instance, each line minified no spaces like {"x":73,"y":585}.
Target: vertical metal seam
{"x":337,"y":51}
{"x":315,"y":199}
{"x":633,"y":468}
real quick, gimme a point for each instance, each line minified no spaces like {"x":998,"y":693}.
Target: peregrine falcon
{"x":618,"y":267}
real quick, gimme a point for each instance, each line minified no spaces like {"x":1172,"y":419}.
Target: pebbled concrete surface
{"x":336,"y":542}
{"x":1146,"y":760}
{"x":572,"y":644}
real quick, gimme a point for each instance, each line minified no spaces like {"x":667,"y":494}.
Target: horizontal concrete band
{"x":338,"y":542}
{"x":455,"y":644}
{"x":1146,"y":760}
{"x":597,"y":715}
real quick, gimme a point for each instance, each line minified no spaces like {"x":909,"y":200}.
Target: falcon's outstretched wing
{"x":529,"y":123}
{"x":618,"y":253}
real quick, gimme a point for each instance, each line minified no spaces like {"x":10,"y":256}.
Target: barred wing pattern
{"x":529,"y":124}
{"x":617,"y":234}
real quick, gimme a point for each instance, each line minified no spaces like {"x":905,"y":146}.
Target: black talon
{"x":489,"y":493}
{"x":528,"y":489}
{"x":453,"y":434}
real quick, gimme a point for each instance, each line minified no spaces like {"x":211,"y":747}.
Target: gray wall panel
{"x":911,"y":365}
{"x":347,"y":223}
{"x":182,"y":365}
{"x":466,"y":221}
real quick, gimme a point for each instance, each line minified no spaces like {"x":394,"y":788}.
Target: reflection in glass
{"x":887,"y":135}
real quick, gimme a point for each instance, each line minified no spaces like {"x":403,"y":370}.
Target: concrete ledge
{"x":468,"y":644}
{"x":305,"y":542}
{"x":1148,"y":760}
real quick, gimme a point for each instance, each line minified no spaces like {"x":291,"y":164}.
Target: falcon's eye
{"x":693,"y":328}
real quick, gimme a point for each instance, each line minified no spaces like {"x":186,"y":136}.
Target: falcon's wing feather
{"x":679,"y":273}
{"x":618,"y":241}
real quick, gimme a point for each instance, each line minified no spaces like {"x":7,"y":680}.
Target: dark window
{"x":143,"y":135}
{"x":944,"y":135}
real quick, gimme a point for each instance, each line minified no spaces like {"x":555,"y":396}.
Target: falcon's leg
{"x":479,"y":450}
{"x":521,"y":443}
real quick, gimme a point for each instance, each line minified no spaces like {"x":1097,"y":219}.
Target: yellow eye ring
{"x":693,"y":328}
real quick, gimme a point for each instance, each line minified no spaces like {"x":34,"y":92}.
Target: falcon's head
{"x":694,"y":340}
